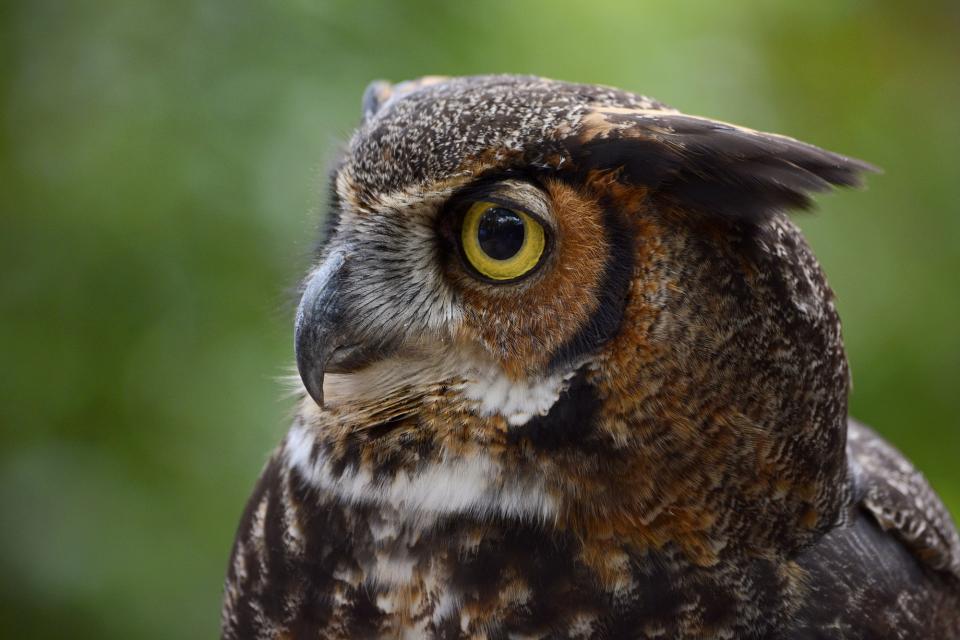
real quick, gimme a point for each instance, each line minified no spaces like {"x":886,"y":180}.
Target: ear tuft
{"x":710,"y":166}
{"x":379,"y":92}
{"x":374,"y":96}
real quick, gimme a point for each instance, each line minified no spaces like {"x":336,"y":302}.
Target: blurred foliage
{"x":161,"y":181}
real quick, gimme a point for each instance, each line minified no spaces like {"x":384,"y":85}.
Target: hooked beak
{"x":322,"y":341}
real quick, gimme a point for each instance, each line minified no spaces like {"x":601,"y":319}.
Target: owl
{"x":569,"y":371}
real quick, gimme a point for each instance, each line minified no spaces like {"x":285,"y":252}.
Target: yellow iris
{"x":491,"y":228}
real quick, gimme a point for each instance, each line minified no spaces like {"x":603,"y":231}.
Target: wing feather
{"x":901,"y":500}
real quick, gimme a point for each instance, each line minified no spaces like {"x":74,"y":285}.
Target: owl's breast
{"x":378,"y":557}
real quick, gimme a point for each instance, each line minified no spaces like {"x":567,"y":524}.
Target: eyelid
{"x":506,"y":203}
{"x":511,"y":193}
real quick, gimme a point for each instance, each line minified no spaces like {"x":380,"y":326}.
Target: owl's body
{"x":570,"y":372}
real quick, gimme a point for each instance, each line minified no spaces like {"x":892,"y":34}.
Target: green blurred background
{"x":161,"y":182}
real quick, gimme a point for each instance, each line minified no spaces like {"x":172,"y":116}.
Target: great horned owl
{"x":570,"y":372}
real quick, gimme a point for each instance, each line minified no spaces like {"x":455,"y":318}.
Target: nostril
{"x":349,"y":358}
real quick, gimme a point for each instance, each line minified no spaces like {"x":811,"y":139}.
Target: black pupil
{"x":501,"y":233}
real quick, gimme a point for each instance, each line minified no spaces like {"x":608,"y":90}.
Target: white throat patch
{"x":476,"y":485}
{"x":516,"y":400}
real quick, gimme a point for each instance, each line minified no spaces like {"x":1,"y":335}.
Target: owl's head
{"x":565,"y":267}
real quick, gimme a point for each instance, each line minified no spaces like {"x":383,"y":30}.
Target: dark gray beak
{"x":318,"y":317}
{"x":322,"y":340}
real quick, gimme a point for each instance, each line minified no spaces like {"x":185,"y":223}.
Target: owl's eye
{"x":501,"y":243}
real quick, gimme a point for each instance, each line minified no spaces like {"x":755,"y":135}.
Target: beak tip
{"x":311,"y":372}
{"x":313,"y":383}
